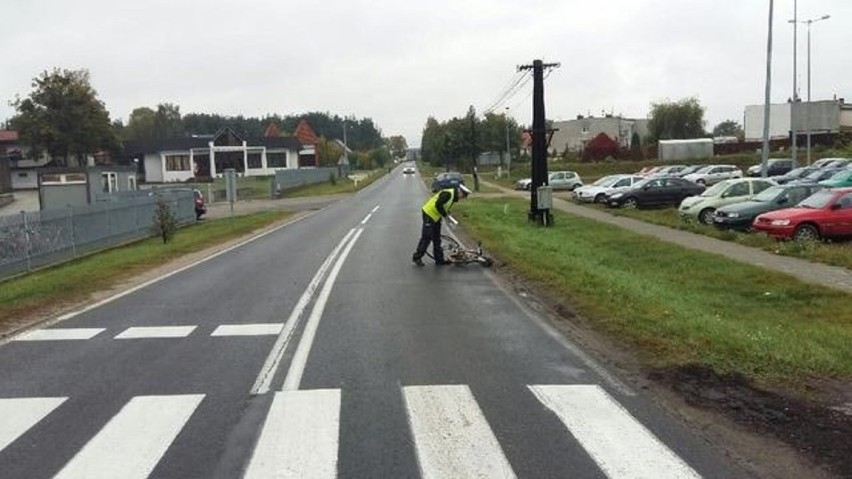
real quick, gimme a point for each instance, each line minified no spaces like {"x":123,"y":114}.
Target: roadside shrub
{"x":165,"y":221}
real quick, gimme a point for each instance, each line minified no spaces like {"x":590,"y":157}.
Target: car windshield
{"x":703,"y":169}
{"x":607,"y":181}
{"x":768,"y":194}
{"x":817,"y":200}
{"x":715,"y":190}
{"x":642,"y":183}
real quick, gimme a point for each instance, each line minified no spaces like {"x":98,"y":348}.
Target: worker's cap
{"x":464,"y":189}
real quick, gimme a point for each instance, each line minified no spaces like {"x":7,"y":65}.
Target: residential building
{"x":574,"y":135}
{"x":821,"y":117}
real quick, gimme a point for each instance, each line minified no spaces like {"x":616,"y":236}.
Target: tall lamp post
{"x":508,"y":149}
{"x":795,"y":22}
{"x":808,"y":22}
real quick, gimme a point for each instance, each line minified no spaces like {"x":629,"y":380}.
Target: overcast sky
{"x":401,"y":61}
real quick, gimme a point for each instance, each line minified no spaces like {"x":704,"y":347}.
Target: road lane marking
{"x":375,"y":208}
{"x":146,"y":332}
{"x":366,"y":218}
{"x":300,"y":436}
{"x":451,"y":435}
{"x":18,"y":415}
{"x":59,"y":334}
{"x":300,"y":357}
{"x":267,"y":372}
{"x":616,"y":441}
{"x":258,"y":329}
{"x":133,"y":441}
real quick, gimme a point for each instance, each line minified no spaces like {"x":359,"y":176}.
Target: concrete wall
{"x":61,"y":196}
{"x":292,"y":178}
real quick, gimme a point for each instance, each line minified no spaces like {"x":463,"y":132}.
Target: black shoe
{"x":417,"y":261}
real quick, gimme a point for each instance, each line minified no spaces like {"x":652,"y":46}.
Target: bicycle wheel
{"x":448,"y":243}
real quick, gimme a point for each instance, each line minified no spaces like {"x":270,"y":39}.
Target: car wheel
{"x":701,"y":181}
{"x":600,"y":198}
{"x":806,"y":233}
{"x":631,"y":203}
{"x":706,"y":216}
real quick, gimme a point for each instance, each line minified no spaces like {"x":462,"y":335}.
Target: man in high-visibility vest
{"x":436,"y":208}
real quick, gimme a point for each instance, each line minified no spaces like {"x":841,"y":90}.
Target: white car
{"x":598,"y":191}
{"x":712,"y":174}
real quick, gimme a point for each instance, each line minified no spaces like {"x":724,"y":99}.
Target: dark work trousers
{"x":431,"y":233}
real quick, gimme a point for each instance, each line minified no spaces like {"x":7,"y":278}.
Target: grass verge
{"x":673,"y":305}
{"x":76,"y":280}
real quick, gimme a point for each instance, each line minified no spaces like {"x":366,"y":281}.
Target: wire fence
{"x":32,"y":240}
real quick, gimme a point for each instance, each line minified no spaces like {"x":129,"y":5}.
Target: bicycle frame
{"x":455,"y":253}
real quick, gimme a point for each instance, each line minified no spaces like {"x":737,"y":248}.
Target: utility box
{"x":544,"y":197}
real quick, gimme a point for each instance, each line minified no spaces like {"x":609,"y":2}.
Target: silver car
{"x":712,"y":174}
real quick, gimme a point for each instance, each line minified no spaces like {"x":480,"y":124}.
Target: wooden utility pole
{"x":539,"y":143}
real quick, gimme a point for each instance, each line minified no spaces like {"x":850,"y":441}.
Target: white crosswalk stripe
{"x":156,"y":332}
{"x":451,"y":435}
{"x":300,"y":436}
{"x":17,"y":415}
{"x":133,"y":441}
{"x":262,"y":329}
{"x":59,"y":334}
{"x":620,"y":445}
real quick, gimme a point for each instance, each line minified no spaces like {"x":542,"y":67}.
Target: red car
{"x":826,"y":213}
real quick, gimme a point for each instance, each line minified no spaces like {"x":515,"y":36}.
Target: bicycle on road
{"x":457,"y":254}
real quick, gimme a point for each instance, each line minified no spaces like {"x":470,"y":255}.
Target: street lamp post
{"x":795,"y":22}
{"x":808,"y":22}
{"x":508,"y":149}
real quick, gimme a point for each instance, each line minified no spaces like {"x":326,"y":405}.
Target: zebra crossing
{"x":148,"y":332}
{"x":300,"y":435}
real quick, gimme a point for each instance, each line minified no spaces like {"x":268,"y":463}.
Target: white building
{"x":828,"y":116}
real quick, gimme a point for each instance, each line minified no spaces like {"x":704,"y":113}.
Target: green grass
{"x":675,"y":306}
{"x":76,"y":280}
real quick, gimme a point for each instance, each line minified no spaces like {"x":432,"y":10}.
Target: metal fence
{"x":35,"y":239}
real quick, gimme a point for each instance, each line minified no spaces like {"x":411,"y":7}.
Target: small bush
{"x":165,"y":221}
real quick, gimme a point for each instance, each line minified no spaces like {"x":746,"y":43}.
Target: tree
{"x":167,"y":121}
{"x":676,"y":120}
{"x":635,"y":147}
{"x":729,"y":128}
{"x":397,"y":145}
{"x":140,"y":124}
{"x":165,"y":221}
{"x":64,"y":118}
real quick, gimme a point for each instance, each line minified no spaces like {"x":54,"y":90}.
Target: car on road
{"x":668,"y":190}
{"x":702,"y":207}
{"x":774,"y":167}
{"x":825,"y":214}
{"x":600,"y":189}
{"x":840,"y":179}
{"x":447,"y":179}
{"x":740,"y":216}
{"x":408,"y":170}
{"x":712,"y":174}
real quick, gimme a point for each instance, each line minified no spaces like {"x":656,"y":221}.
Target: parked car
{"x":740,"y":216}
{"x":564,"y":180}
{"x":837,"y":163}
{"x":712,"y":174}
{"x":648,"y":170}
{"x":794,"y":174}
{"x":598,"y":191}
{"x":702,"y":207}
{"x":523,"y":184}
{"x":668,"y":170}
{"x":774,"y":167}
{"x":816,"y":176}
{"x":840,"y":179}
{"x":823,"y":161}
{"x":690,"y":169}
{"x":448,"y":179}
{"x":826,"y":213}
{"x":669,"y":190}
{"x":200,"y":208}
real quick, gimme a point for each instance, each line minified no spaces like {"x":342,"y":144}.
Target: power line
{"x":520,"y":82}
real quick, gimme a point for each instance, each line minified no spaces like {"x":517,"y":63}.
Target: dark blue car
{"x":449,"y":179}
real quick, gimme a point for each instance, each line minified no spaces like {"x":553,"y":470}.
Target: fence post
{"x":27,"y":240}
{"x":71,"y":227}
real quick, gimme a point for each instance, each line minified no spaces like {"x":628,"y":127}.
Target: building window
{"x":109,"y":182}
{"x":177,"y":163}
{"x":276,"y":160}
{"x":255,"y":160}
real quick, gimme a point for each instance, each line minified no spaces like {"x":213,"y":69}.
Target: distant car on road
{"x":448,"y":179}
{"x":740,"y":216}
{"x":408,"y":170}
{"x":669,"y":190}
{"x":826,"y":213}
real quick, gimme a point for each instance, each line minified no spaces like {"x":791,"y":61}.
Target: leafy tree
{"x":329,"y":152}
{"x":676,"y":120}
{"x":729,"y":128}
{"x":397,"y":145}
{"x":64,"y":118}
{"x":635,"y":147}
{"x":167,"y":121}
{"x":140,"y":124}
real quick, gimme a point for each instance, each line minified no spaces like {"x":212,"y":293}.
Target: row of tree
{"x":63,"y":118}
{"x":460,"y":140}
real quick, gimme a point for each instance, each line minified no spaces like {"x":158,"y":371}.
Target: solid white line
{"x":300,"y":357}
{"x":260,"y":329}
{"x":132,"y":443}
{"x":59,"y":334}
{"x":144,"y":332}
{"x":17,"y":415}
{"x":273,"y":359}
{"x":451,"y":435}
{"x":366,"y":218}
{"x":172,"y":273}
{"x":299,"y":437}
{"x":617,"y":442}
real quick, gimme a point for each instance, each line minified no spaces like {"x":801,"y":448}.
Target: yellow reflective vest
{"x":431,"y":206}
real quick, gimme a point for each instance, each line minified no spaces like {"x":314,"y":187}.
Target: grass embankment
{"x":76,"y":280}
{"x":673,"y":305}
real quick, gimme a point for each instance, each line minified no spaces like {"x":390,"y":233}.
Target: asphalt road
{"x":320,"y":350}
